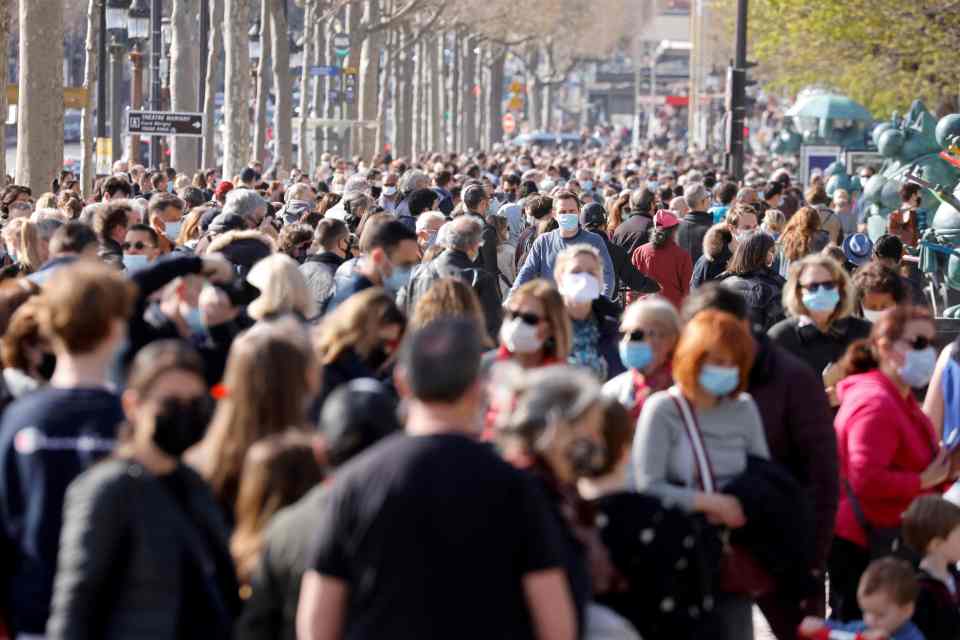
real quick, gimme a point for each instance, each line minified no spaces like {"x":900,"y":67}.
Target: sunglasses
{"x":139,"y":246}
{"x":813,"y":287}
{"x":640,"y":335}
{"x":919,"y":343}
{"x":529,"y":318}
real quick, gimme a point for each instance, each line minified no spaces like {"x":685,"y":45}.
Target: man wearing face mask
{"x":428,"y":226}
{"x":543,"y":254}
{"x":165,"y":212}
{"x":458,"y":261}
{"x":388,"y":196}
{"x":331,"y":247}
{"x":512,"y":210}
{"x":389,"y":252}
{"x":476,"y":199}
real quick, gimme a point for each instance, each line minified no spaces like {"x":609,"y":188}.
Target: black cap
{"x":593,"y":216}
{"x":224,"y":222}
{"x":208,"y":217}
{"x":355,"y":416}
{"x":888,"y":246}
{"x":248,"y":175}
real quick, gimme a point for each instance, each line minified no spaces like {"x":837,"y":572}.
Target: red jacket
{"x":884,"y":442}
{"x":670,"y":266}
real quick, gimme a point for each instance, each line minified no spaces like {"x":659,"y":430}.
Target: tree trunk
{"x":469,"y":95}
{"x":443,"y":106}
{"x":383,"y":99}
{"x":436,"y":86}
{"x":319,"y":86}
{"x":303,"y":157}
{"x":184,"y":63}
{"x":403,"y":118}
{"x":263,"y":84}
{"x":481,"y":90}
{"x":419,"y":110}
{"x":369,"y":81}
{"x":534,"y":106}
{"x":456,"y":117}
{"x":549,"y":90}
{"x":236,"y":103}
{"x":88,"y":164}
{"x":214,"y":55}
{"x":40,"y":153}
{"x":495,"y":97}
{"x":283,"y":89}
{"x":5,"y":24}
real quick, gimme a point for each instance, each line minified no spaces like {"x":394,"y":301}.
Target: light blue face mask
{"x":719,"y":381}
{"x":431,"y":238}
{"x":568,"y":221}
{"x":172,"y":230}
{"x":587,"y":185}
{"x":194,"y":320}
{"x":822,"y":300}
{"x":636,"y":355}
{"x":918,"y":367}
{"x":653,"y":185}
{"x":134,"y":262}
{"x":398,"y":279}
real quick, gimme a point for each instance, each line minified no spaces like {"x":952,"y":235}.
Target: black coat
{"x":607,"y":314}
{"x":690,"y":232}
{"x":815,"y":348}
{"x":453,"y":263}
{"x":706,"y":270}
{"x":626,"y":273}
{"x":130,"y":551}
{"x":762,"y":289}
{"x":633,"y":232}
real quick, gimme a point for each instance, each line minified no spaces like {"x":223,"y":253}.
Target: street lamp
{"x":117,"y":26}
{"x":138,"y":28}
{"x":116,"y":15}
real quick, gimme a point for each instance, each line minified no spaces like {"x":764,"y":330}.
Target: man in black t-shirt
{"x":431,"y":534}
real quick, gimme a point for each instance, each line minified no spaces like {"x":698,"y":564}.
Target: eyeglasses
{"x":529,"y":318}
{"x":813,"y":287}
{"x":642,"y":334}
{"x":138,"y":246}
{"x":919,"y":343}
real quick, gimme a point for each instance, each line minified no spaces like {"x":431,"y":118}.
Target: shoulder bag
{"x":740,"y":573}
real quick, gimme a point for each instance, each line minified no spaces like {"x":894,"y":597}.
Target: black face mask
{"x":47,"y":366}
{"x":586,"y":457}
{"x":178,"y":425}
{"x":377,"y":358}
{"x":375,"y":192}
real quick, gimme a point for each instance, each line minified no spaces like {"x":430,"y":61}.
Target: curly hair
{"x":797,"y":238}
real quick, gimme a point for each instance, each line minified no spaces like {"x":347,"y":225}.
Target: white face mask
{"x":520,"y":337}
{"x":580,"y":288}
{"x":389,"y":191}
{"x":172,"y":230}
{"x":872,"y":316}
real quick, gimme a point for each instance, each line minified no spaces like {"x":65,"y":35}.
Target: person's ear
{"x":130,"y":401}
{"x":400,"y":382}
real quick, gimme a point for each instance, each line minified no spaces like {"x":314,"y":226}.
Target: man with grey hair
{"x":357,"y":184}
{"x":428,"y":226}
{"x":695,"y":223}
{"x":462,"y":242}
{"x":248,"y":204}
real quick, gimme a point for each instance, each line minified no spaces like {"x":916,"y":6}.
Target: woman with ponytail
{"x":887,"y":448}
{"x":664,"y":260}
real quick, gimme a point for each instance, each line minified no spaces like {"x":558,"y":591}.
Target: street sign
{"x":320,"y":71}
{"x":73,"y":97}
{"x":516,"y":87}
{"x":341,"y":44}
{"x":165,"y":123}
{"x":509,"y":123}
{"x":515,"y":104}
{"x":350,"y":71}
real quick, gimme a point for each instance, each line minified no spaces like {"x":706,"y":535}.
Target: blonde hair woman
{"x":819,"y":299}
{"x":283,"y":289}
{"x":448,"y":297}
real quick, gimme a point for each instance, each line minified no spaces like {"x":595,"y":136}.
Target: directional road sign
{"x":165,"y":123}
{"x":318,"y":71}
{"x":341,"y":44}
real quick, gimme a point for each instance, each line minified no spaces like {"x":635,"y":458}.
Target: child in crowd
{"x":931,"y":526}
{"x":887,"y":593}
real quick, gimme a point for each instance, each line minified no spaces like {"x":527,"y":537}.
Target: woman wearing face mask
{"x":801,"y":237}
{"x":663,"y":260}
{"x":359,"y":339}
{"x":555,"y":432}
{"x":750,"y":273}
{"x":711,"y":367}
{"x":650,"y":329}
{"x":888,"y":449}
{"x":579,"y":273}
{"x":28,"y":361}
{"x":142,"y":531}
{"x":878,"y":289}
{"x":819,"y":299}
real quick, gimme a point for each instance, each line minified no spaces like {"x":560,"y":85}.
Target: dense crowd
{"x":535,"y":392}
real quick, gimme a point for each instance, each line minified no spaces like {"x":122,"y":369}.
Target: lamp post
{"x":155,"y":51}
{"x":117,"y":26}
{"x":138,"y":29}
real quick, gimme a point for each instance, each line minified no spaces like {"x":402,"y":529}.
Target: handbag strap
{"x":704,"y":471}
{"x":858,"y":514}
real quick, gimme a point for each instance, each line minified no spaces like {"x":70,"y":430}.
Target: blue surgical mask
{"x":653,"y":185}
{"x":719,"y":381}
{"x":431,"y":238}
{"x":398,"y":279}
{"x":822,"y":300}
{"x":194,"y":320}
{"x":568,"y":221}
{"x":918,"y":367}
{"x":172,"y":230}
{"x":134,"y":262}
{"x":636,"y":355}
{"x":587,"y":185}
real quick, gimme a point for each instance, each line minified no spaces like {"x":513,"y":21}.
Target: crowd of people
{"x":534,"y":392}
